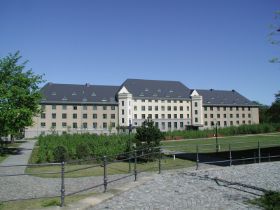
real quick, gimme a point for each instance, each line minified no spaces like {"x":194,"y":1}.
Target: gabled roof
{"x":153,"y":89}
{"x":70,"y":93}
{"x":224,"y":97}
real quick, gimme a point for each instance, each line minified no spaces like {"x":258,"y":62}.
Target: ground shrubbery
{"x":227,"y":131}
{"x":54,"y":148}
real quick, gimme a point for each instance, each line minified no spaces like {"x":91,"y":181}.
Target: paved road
{"x":184,"y":189}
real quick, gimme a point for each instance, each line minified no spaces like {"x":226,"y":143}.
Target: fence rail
{"x":132,"y":159}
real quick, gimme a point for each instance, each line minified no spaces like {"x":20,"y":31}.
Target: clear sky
{"x":219,"y":44}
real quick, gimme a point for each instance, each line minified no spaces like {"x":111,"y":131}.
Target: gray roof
{"x":69,"y":93}
{"x":223,"y":97}
{"x":153,"y":89}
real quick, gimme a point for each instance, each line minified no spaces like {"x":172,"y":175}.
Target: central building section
{"x":168,"y":103}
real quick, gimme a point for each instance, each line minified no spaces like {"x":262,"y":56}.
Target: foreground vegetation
{"x":269,"y":201}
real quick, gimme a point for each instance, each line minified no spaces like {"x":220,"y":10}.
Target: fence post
{"x":197,"y":157}
{"x":230,"y":156}
{"x":255,"y":157}
{"x":135,"y":165}
{"x":105,"y":173}
{"x":129,"y":161}
{"x":259,"y":149}
{"x":269,"y":157}
{"x":159,"y":162}
{"x":62,"y":191}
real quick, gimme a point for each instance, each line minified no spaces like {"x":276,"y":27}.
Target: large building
{"x":170,"y":104}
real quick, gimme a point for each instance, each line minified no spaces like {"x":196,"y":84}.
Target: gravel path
{"x":185,"y":189}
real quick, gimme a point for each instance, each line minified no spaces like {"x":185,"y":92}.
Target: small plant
{"x":60,"y":154}
{"x":53,"y":202}
{"x":269,"y":201}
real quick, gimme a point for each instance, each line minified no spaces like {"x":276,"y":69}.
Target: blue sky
{"x":219,"y":44}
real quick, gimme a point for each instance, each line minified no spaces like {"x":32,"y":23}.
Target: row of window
{"x":84,"y":125}
{"x":211,"y":108}
{"x":162,"y":101}
{"x":163,"y":108}
{"x":225,"y":115}
{"x":156,"y":116}
{"x":225,"y":123}
{"x":84,"y":116}
{"x":84,"y":107}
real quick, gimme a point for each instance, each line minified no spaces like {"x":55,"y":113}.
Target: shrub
{"x":269,"y":201}
{"x":60,"y":154}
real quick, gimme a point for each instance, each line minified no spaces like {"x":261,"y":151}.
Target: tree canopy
{"x":19,"y":95}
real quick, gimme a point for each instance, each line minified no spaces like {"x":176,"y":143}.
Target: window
{"x":196,"y":119}
{"x":94,"y":107}
{"x":175,"y":116}
{"x":156,"y":108}
{"x":94,"y":116}
{"x":122,"y":111}
{"x":231,"y":122}
{"x":205,"y":115}
{"x":237,"y":122}
{"x":175,"y":124}
{"x":135,"y":108}
{"x":218,"y":108}
{"x":175,"y":101}
{"x":53,"y":116}
{"x":169,"y":116}
{"x":162,"y":108}
{"x":113,"y":107}
{"x":237,"y":108}
{"x":156,"y":116}
{"x":168,"y":101}
{"x":218,"y":116}
{"x":231,"y":116}
{"x":150,"y":108}
{"x":74,"y":125}
{"x":104,"y":125}
{"x":75,"y":107}
{"x":188,"y":115}
{"x":230,"y":108}
{"x":195,"y":112}
{"x":84,"y":107}
{"x":113,"y":116}
{"x":181,"y":101}
{"x":53,"y":107}
{"x":74,"y":116}
{"x":84,"y":125}
{"x":243,"y":108}
{"x":237,"y":115}
{"x":64,"y":107}
{"x":175,"y":108}
{"x":53,"y":124}
{"x":43,"y":124}
{"x":181,"y":124}
{"x":64,"y":115}
{"x":163,"y":125}
{"x":169,"y":108}
{"x":181,"y":116}
{"x":243,"y":115}
{"x":122,"y":120}
{"x":249,"y":108}
{"x":156,"y":101}
{"x":43,"y":107}
{"x":84,"y":116}
{"x":64,"y":124}
{"x":169,"y":124}
{"x":249,"y":115}
{"x":211,"y":108}
{"x":225,"y":108}
{"x":143,"y":116}
{"x":195,"y":104}
{"x":212,"y":123}
{"x":249,"y":122}
{"x":122,"y":103}
{"x":113,"y":125}
{"x":188,"y":108}
{"x":225,"y":115}
{"x":150,"y":116}
{"x":225,"y":123}
{"x":104,"y":116}
{"x":43,"y":115}
{"x":143,"y":108}
{"x":135,"y":116}
{"x":156,"y":124}
{"x":181,"y":108}
{"x":162,"y":116}
{"x":211,"y":116}
{"x":104,"y":107}
{"x":143,"y":100}
{"x":243,"y":122}
{"x":218,"y":123}
{"x":94,"y":125}
{"x":205,"y":108}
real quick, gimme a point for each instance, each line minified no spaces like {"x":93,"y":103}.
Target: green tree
{"x":147,"y":138}
{"x":274,"y":110}
{"x":274,"y":35}
{"x":264,"y":116}
{"x":19,"y":95}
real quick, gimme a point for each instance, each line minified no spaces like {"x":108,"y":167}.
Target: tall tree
{"x":19,"y":95}
{"x":274,"y":110}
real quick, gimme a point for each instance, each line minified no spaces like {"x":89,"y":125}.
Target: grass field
{"x":113,"y":168}
{"x":208,"y":145}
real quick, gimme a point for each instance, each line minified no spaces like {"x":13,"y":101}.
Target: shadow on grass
{"x":238,"y":157}
{"x":7,"y":148}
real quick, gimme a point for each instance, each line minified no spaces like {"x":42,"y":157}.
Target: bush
{"x":60,"y":154}
{"x":269,"y":201}
{"x":83,"y":151}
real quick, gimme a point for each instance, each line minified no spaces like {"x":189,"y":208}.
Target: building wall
{"x":167,"y":114}
{"x":229,"y":115}
{"x":75,"y":118}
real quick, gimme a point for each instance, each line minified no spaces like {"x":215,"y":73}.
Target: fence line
{"x":132,"y":158}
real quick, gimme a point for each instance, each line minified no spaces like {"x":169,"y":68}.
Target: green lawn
{"x":113,"y":168}
{"x":237,"y":143}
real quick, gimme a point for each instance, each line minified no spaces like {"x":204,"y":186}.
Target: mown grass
{"x":112,"y":168}
{"x":41,"y":203}
{"x":237,"y":143}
